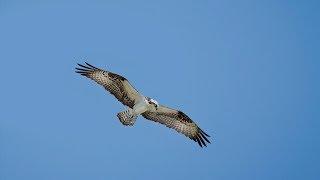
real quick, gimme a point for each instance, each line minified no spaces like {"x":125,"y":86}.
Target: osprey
{"x":142,"y":105}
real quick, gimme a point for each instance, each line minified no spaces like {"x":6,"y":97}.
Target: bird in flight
{"x":138,"y":104}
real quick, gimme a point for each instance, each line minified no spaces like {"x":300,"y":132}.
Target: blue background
{"x":246,"y":71}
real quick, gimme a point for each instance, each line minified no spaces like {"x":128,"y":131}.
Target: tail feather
{"x":127,"y":117}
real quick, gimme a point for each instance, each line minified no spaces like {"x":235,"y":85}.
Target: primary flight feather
{"x":141,"y":105}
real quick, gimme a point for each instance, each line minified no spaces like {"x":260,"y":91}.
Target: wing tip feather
{"x":198,"y":141}
{"x":201,"y":138}
{"x":85,"y":70}
{"x":93,"y":67}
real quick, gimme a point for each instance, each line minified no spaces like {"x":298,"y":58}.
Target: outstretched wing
{"x":179,"y":121}
{"x":114,"y":83}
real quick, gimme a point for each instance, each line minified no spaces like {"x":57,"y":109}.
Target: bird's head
{"x":153,"y":102}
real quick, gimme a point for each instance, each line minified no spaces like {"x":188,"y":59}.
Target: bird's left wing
{"x":114,"y":83}
{"x":179,"y":121}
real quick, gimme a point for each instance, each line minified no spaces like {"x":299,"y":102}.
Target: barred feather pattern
{"x":178,"y":121}
{"x":117,"y":85}
{"x":127,"y":118}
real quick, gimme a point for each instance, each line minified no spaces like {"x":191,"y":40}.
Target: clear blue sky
{"x":246,"y":71}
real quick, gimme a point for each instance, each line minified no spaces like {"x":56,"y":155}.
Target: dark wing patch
{"x":116,"y":76}
{"x":114,"y":83}
{"x":183,"y":117}
{"x":180,"y":122}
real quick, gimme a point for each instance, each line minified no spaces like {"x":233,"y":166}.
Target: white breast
{"x":140,"y":107}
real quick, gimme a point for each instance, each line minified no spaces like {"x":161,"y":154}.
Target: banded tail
{"x":127,"y":117}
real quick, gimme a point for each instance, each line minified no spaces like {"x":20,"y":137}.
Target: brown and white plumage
{"x":140,"y":105}
{"x":114,"y":83}
{"x":178,"y":121}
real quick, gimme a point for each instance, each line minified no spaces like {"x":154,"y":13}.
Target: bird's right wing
{"x":179,"y":121}
{"x":114,"y":83}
